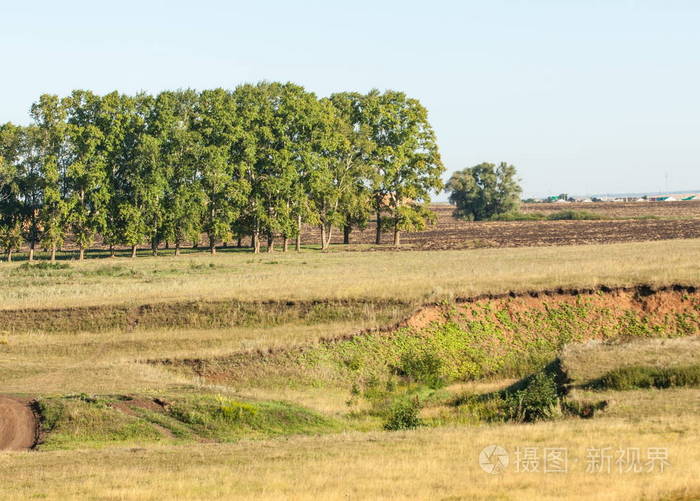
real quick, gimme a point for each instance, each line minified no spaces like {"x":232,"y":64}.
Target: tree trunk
{"x":285,"y":243}
{"x":239,"y":242}
{"x":9,"y":255}
{"x":255,"y":242}
{"x":81,"y":254}
{"x":378,"y":238}
{"x":326,"y":230}
{"x":346,"y":233}
{"x":133,"y":251}
{"x":177,"y":248}
{"x":31,"y":251}
{"x":167,"y":245}
{"x":297,"y":243}
{"x":111,"y":250}
{"x":270,"y":243}
{"x":397,"y":234}
{"x":329,"y":235}
{"x":154,"y":248}
{"x":53,"y":253}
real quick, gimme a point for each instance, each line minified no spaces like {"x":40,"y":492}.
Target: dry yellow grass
{"x":437,"y":463}
{"x":398,"y":275}
{"x":587,"y":361}
{"x":423,"y":464}
{"x":36,"y":362}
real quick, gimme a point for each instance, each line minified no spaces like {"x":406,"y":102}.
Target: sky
{"x":583,"y":97}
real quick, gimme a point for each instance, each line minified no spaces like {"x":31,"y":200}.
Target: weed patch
{"x":643,"y":377}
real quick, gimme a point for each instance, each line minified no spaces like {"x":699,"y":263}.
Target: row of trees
{"x":259,"y":161}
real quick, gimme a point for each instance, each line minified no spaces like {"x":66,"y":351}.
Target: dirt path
{"x":17,"y":425}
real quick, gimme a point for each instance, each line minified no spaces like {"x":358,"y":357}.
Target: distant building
{"x":675,"y":198}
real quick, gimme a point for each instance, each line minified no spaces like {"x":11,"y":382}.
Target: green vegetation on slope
{"x":82,"y":420}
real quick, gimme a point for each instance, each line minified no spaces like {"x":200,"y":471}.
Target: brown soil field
{"x":676,"y":220}
{"x":625,"y":210}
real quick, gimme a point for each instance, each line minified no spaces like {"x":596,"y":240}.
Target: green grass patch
{"x":74,"y":421}
{"x":225,"y":419}
{"x":519,"y":216}
{"x":574,"y":215}
{"x":643,"y":377}
{"x":563,"y":215}
{"x":81,"y":421}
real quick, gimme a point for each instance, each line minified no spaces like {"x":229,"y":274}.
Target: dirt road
{"x":17,"y":425}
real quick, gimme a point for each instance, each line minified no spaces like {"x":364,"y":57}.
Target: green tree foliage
{"x":259,"y":162}
{"x":350,"y":165}
{"x":11,"y":137}
{"x":406,"y":161}
{"x":224,"y":187}
{"x":484,"y":191}
{"x":50,"y":144}
{"x":181,"y":155}
{"x":87,"y":186}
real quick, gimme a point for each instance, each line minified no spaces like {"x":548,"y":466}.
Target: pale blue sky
{"x":582,"y":96}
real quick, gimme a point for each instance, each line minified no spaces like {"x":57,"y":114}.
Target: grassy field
{"x":439,"y":463}
{"x":275,"y":376}
{"x":410,"y":276}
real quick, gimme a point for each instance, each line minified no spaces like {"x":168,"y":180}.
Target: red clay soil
{"x":18,"y":425}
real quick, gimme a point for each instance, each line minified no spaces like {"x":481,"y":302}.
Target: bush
{"x":573,"y":215}
{"x":404,"y":415}
{"x":39,"y":269}
{"x":423,"y":368}
{"x":538,"y":400}
{"x":518,"y":216}
{"x":44,"y":265}
{"x":583,"y":408}
{"x":629,"y":378}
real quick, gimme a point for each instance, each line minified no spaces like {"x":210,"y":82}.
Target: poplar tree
{"x":406,"y":161}
{"x":86,"y":180}
{"x":224,"y":188}
{"x":181,"y":151}
{"x":50,"y":145}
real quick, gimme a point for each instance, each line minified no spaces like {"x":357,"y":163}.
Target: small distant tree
{"x":484,"y":191}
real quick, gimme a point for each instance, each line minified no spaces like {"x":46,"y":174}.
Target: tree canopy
{"x":484,"y":191}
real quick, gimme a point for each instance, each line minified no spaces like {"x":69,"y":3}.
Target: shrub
{"x":423,"y":368}
{"x":538,"y":400}
{"x":573,"y":215}
{"x":518,"y":216}
{"x":404,"y":415}
{"x":582,"y":408}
